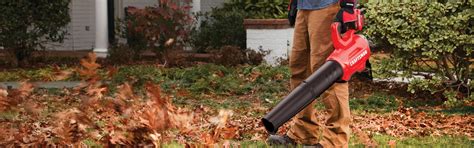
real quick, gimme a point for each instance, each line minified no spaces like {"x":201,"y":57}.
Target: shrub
{"x":217,"y":29}
{"x":164,"y":26}
{"x":28,"y":25}
{"x":432,"y":37}
{"x":136,"y":40}
{"x":259,"y":9}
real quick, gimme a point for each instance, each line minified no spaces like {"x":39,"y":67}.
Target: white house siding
{"x":139,"y":3}
{"x":83,"y":24}
{"x":207,"y":5}
{"x":81,"y":29}
{"x":277,"y":41}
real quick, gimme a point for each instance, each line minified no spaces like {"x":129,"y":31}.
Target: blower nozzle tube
{"x":303,"y":95}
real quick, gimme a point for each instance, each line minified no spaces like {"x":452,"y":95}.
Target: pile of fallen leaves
{"x":90,"y":113}
{"x":406,"y":122}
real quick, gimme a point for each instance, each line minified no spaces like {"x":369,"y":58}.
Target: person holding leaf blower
{"x":312,"y":45}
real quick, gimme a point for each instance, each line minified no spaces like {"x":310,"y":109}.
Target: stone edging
{"x":266,"y":24}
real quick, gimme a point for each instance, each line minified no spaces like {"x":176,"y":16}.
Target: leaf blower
{"x":351,"y":51}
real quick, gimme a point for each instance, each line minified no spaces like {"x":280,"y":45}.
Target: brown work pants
{"x":311,"y":46}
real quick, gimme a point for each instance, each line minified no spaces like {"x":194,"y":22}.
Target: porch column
{"x":101,"y":30}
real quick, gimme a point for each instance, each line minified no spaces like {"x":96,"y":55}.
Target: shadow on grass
{"x":459,"y":110}
{"x":377,"y":102}
{"x":380,"y":102}
{"x":426,"y":141}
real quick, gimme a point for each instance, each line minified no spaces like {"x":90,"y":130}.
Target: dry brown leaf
{"x":89,"y":66}
{"x":59,"y":74}
{"x":230,"y":133}
{"x":182,"y":120}
{"x":62,"y":75}
{"x":17,"y":96}
{"x":155,"y":118}
{"x":207,"y":139}
{"x":111,"y":71}
{"x":97,"y":92}
{"x":156,"y":139}
{"x":119,"y":137}
{"x":365,"y":139}
{"x":68,"y":130}
{"x":154,"y":92}
{"x":169,"y":42}
{"x":25,"y":89}
{"x":257,"y":137}
{"x":392,"y":143}
{"x":221,"y":122}
{"x":254,"y":76}
{"x":279,"y":77}
{"x":182,"y":93}
{"x":221,"y":119}
{"x":125,"y":92}
{"x":4,"y":102}
{"x":33,"y":108}
{"x":219,"y":74}
{"x":226,"y":144}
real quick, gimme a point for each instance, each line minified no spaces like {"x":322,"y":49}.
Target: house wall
{"x":82,"y":27}
{"x":207,"y":5}
{"x":83,"y":24}
{"x":277,"y":41}
{"x":139,"y":3}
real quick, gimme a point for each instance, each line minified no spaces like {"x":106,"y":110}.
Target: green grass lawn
{"x":239,"y":88}
{"x":382,"y":141}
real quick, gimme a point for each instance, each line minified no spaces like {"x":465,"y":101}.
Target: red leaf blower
{"x":351,"y":51}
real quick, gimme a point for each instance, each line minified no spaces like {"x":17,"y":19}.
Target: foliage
{"x":429,"y":37}
{"x":258,"y":9}
{"x":221,"y":33}
{"x":28,"y":25}
{"x":163,"y":27}
{"x":218,"y":28}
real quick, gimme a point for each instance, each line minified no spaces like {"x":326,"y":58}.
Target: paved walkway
{"x":72,"y":84}
{"x":56,"y":84}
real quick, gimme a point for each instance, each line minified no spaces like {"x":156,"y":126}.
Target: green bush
{"x":258,"y":9}
{"x":28,"y":25}
{"x":136,"y":40}
{"x":431,"y":37}
{"x":218,"y":28}
{"x":160,"y":28}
